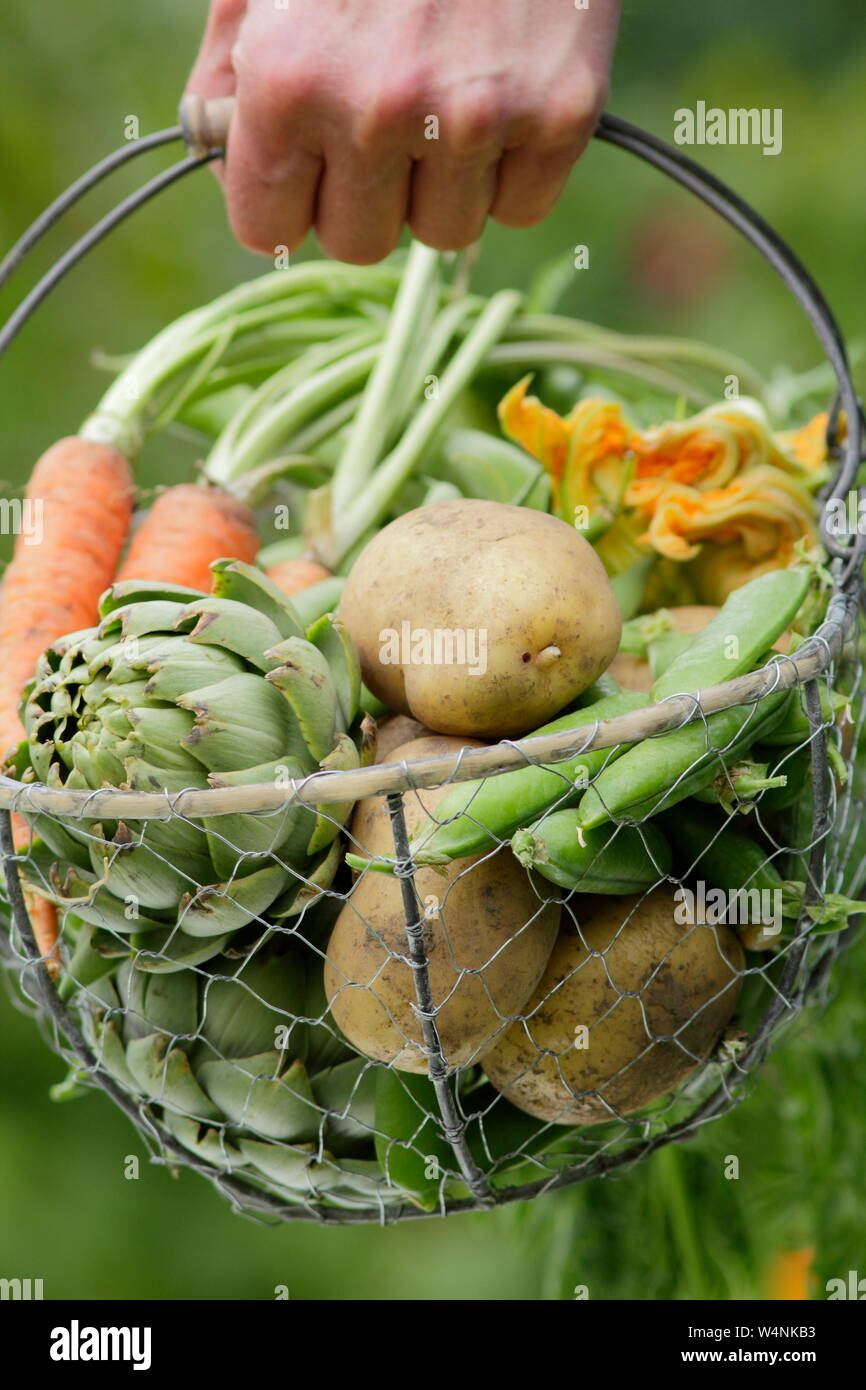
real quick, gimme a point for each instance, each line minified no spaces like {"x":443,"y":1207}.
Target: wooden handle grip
{"x":206,"y":123}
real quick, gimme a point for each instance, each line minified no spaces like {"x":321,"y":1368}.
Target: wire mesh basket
{"x":318,"y":1042}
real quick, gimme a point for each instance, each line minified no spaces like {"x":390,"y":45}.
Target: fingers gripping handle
{"x":206,"y":123}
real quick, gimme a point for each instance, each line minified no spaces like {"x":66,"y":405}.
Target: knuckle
{"x":276,"y":89}
{"x":566,"y":120}
{"x":260,"y":227}
{"x":389,"y":112}
{"x":573,"y":118}
{"x":474,"y":125}
{"x":560,"y":126}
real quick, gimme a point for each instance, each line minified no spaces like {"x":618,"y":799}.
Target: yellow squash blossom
{"x":764,"y":511}
{"x":808,"y":446}
{"x":576,"y":449}
{"x":536,"y":428}
{"x":708,"y":451}
{"x":754,"y":525}
{"x":718,"y":492}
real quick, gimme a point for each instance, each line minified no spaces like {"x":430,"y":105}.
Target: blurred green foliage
{"x":673,"y":1228}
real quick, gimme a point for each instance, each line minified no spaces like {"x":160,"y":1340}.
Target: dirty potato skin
{"x":529,"y":581}
{"x":485,"y":902}
{"x":394,"y":729}
{"x":686,"y":978}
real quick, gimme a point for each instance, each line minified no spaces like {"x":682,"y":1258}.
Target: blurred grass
{"x":676,"y":1227}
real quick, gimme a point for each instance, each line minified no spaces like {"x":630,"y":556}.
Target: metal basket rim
{"x":324,"y":788}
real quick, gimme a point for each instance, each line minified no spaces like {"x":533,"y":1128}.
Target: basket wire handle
{"x":97,"y":233}
{"x":788,"y":267}
{"x":76,"y":191}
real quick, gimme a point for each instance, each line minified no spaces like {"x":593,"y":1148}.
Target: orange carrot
{"x":42,"y":914}
{"x":187,"y":528}
{"x":46,"y":930}
{"x":294,"y":575}
{"x":79,"y":502}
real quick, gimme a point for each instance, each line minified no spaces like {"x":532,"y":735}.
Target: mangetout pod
{"x":653,"y":996}
{"x":671,"y":625}
{"x":488,"y":935}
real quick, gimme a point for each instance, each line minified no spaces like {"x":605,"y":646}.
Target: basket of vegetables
{"x":449,"y":794}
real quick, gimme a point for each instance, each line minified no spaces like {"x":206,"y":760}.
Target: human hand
{"x":357,"y":117}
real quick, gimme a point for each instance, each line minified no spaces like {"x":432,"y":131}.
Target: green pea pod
{"x":733,"y":861}
{"x":630,"y":583}
{"x":475,"y":816}
{"x":657,"y":773}
{"x":632,"y":639}
{"x":725,"y":857}
{"x":611,"y":859}
{"x":485,"y":465}
{"x":409,"y":1145}
{"x":752,"y":618}
{"x":795,"y":727}
{"x":739,"y":788}
{"x":664,"y":650}
{"x":795,"y":766}
{"x":637,"y":633}
{"x":603,"y":686}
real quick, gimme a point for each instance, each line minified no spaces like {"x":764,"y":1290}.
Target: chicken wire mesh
{"x":320,"y":1043}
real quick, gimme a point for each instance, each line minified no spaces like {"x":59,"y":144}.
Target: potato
{"x":491,"y":923}
{"x":480,"y":618}
{"x":631,"y":672}
{"x":652,"y":980}
{"x":394,"y":729}
{"x":691,"y":617}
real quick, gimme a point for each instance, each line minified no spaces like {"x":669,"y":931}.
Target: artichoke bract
{"x":241,"y":1065}
{"x":175,"y":689}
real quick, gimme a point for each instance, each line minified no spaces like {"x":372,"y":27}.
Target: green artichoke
{"x":240,"y":1064}
{"x":173,"y":690}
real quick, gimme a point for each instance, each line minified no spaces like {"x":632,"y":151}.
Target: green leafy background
{"x":672,"y":1228}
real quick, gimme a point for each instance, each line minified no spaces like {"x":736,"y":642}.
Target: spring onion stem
{"x":286,"y":416}
{"x":372,"y":503}
{"x":421,"y":374}
{"x":324,"y":425}
{"x":122,"y":414}
{"x":543,"y":354}
{"x":371,"y":426}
